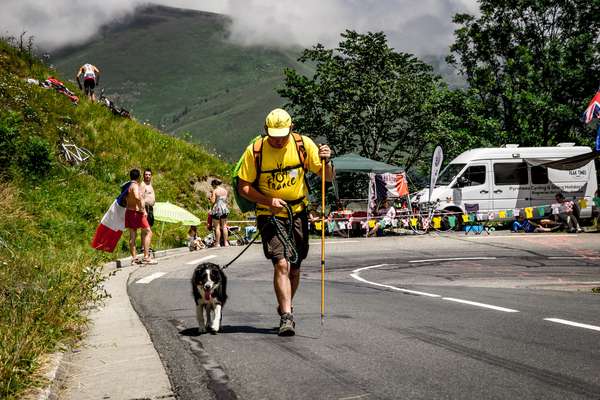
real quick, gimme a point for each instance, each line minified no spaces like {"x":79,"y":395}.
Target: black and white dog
{"x":209,"y":285}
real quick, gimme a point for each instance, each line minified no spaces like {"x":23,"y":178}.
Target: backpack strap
{"x":301,"y":150}
{"x":257,"y":151}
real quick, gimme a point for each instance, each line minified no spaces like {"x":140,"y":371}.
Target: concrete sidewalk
{"x":116,"y":359}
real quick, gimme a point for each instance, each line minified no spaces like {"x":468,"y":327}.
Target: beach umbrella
{"x":167,"y":212}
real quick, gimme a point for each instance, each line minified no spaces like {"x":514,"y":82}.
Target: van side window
{"x":510,"y":173}
{"x":539,"y":175}
{"x":475,"y":175}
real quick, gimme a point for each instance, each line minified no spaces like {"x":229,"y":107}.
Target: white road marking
{"x":339,"y":241}
{"x":362,"y":396}
{"x":199,"y":260}
{"x":451,"y":259}
{"x":152,"y":277}
{"x":474,"y":303}
{"x":355,"y":275}
{"x":564,"y":257}
{"x":571,"y":323}
{"x":519,"y":236}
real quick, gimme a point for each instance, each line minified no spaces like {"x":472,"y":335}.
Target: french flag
{"x":593,"y":109}
{"x":112,"y":224}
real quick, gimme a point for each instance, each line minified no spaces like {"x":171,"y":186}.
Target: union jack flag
{"x":593,"y":109}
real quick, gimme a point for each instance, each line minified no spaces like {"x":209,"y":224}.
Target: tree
{"x":532,"y":64}
{"x":367,"y":98}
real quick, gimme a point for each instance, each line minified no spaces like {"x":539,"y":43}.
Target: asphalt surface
{"x":431,"y":317}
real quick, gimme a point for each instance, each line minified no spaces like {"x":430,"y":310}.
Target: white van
{"x":509,"y":177}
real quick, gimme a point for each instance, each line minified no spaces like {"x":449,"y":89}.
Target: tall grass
{"x":49,"y":211}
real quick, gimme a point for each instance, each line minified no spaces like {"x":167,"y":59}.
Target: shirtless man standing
{"x":147,"y":192}
{"x":136,"y":218}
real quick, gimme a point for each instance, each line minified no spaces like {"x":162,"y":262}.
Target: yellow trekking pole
{"x":323,"y":166}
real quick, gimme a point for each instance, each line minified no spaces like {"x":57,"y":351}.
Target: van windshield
{"x":449,"y":173}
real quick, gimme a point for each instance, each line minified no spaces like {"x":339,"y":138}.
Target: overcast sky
{"x":416,"y":26}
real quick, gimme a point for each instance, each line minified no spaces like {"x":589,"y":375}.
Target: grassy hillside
{"x":176,"y":69}
{"x":49,"y":211}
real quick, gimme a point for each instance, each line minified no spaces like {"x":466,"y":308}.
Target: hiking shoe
{"x":287,"y":325}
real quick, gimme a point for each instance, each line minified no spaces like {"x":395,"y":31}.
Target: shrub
{"x":36,"y":157}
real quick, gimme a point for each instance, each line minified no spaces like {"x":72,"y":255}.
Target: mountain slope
{"x":49,"y":210}
{"x":177,"y":70}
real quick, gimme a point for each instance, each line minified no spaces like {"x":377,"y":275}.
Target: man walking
{"x":148,"y":195}
{"x":136,"y":218}
{"x":277,"y":183}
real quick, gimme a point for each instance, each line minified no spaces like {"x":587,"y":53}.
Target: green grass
{"x":177,"y":70}
{"x":49,"y":211}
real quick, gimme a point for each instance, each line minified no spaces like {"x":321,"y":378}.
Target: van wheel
{"x":451,"y":220}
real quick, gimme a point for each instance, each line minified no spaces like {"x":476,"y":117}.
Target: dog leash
{"x":242,"y":252}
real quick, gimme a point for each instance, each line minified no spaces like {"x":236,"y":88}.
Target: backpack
{"x":243,"y":203}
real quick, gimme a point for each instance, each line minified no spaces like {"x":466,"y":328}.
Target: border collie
{"x":209,"y":285}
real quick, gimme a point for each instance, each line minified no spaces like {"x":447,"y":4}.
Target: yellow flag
{"x":582,"y":204}
{"x":501,"y":214}
{"x":413,"y":221}
{"x":437,"y":222}
{"x":371,"y":223}
{"x":465,"y":217}
{"x":529,"y":212}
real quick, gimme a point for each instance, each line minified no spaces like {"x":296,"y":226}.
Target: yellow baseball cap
{"x":278,"y":123}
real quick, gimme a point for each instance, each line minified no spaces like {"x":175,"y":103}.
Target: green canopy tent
{"x":167,"y":212}
{"x":352,"y":162}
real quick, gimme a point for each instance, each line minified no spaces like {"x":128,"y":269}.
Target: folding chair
{"x":471,"y":222}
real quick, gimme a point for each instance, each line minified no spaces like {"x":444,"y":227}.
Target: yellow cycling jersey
{"x":277,"y":179}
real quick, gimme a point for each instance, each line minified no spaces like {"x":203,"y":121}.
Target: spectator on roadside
{"x":219,"y":212}
{"x":388,"y":216}
{"x":528,"y":226}
{"x":136,"y":218}
{"x":194,"y":242}
{"x":147,"y":191}
{"x":568,"y":212}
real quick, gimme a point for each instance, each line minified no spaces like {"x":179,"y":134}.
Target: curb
{"x":56,"y":365}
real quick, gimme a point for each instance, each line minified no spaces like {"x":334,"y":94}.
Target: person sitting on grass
{"x":527,"y":226}
{"x":389,"y":215}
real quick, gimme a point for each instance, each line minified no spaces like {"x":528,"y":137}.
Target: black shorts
{"x":273,"y":247}
{"x":89,"y":84}
{"x":150,"y":212}
{"x":216,"y":217}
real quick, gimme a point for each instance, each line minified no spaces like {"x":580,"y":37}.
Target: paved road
{"x":432,"y":317}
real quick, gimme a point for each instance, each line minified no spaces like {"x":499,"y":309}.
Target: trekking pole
{"x":323,"y":166}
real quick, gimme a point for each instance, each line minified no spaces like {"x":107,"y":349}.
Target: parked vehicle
{"x":510,"y":177}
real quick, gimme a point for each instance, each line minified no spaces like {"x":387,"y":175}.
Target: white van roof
{"x":503,"y":153}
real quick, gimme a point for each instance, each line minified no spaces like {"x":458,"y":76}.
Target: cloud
{"x":55,"y":23}
{"x":421,"y":27}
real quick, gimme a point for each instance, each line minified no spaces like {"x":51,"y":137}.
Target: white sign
{"x":436,"y":165}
